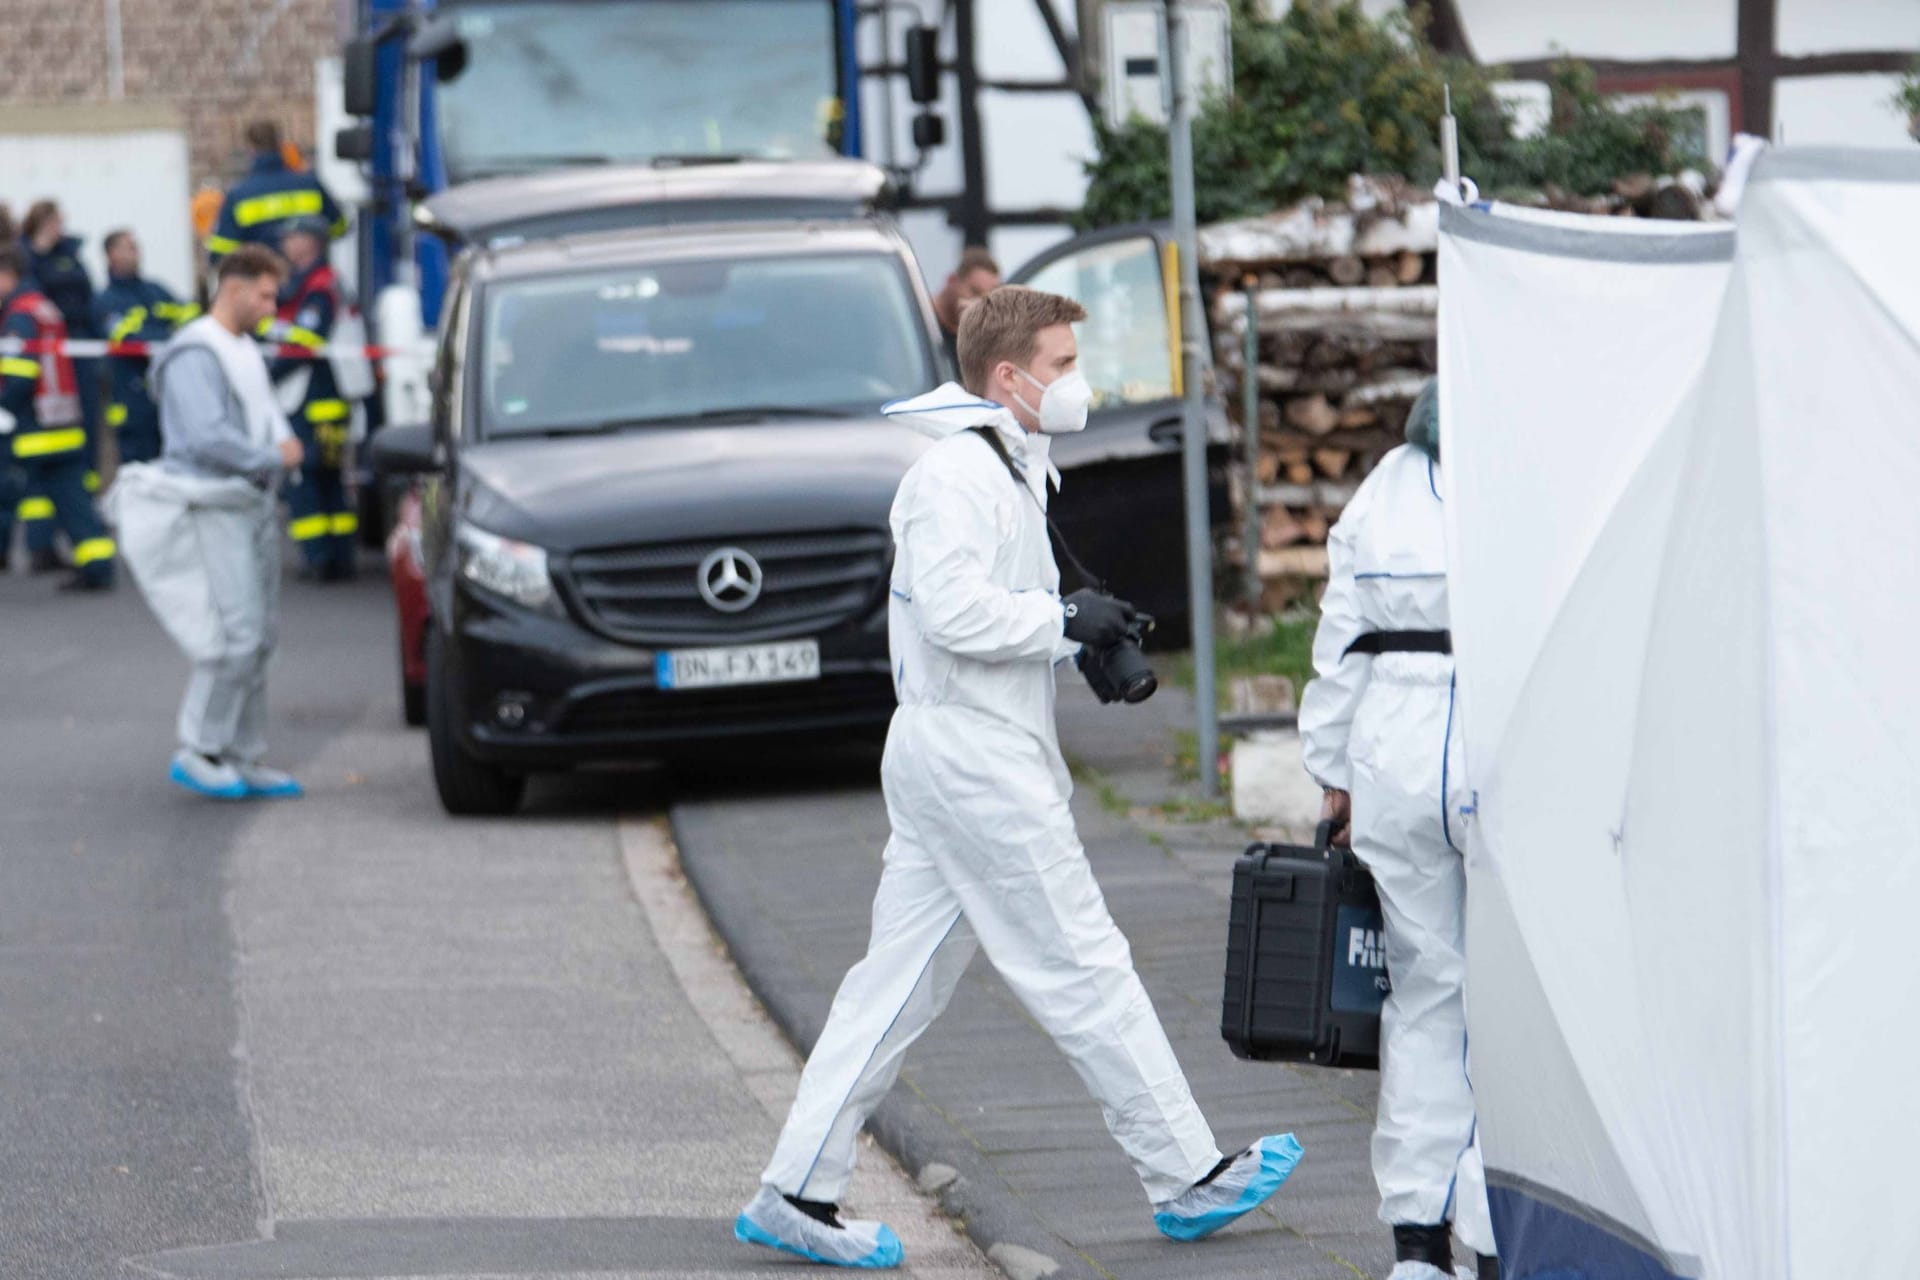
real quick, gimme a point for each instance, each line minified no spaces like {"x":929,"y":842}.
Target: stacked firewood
{"x":1344,"y":301}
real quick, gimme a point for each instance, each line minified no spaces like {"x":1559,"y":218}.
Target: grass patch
{"x":1110,"y":798}
{"x":1286,"y":650}
{"x":1186,"y":750}
{"x":1186,"y":768}
{"x":1193,"y":809}
{"x":1104,"y":791}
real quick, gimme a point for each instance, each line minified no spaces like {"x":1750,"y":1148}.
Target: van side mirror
{"x":923,"y":64}
{"x":360,"y":79}
{"x":406,"y":449}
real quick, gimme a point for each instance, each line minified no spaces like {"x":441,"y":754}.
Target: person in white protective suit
{"x":983,"y":854}
{"x":199,"y":534}
{"x":1378,"y":728}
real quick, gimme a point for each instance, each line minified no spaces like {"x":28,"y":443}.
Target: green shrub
{"x":1325,"y":91}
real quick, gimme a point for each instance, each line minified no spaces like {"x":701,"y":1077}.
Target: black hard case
{"x":1306,"y":962}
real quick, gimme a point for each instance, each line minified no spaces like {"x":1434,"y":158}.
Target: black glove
{"x":1088,"y":660}
{"x":1096,"y":619}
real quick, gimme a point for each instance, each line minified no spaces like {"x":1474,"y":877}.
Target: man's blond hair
{"x":1006,"y":325}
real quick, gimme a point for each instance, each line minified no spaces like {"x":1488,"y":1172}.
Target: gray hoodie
{"x":204,"y":425}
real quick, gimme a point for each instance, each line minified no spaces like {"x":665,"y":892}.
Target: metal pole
{"x":975,"y":222}
{"x":1193,"y":409}
{"x":1250,"y":435}
{"x":886,"y":85}
{"x":1450,"y":144}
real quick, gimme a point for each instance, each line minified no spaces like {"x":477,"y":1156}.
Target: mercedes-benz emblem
{"x":730,"y":580}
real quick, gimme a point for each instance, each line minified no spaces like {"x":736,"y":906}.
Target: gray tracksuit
{"x":220,"y":447}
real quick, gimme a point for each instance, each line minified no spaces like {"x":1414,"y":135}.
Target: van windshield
{"x":686,"y":341}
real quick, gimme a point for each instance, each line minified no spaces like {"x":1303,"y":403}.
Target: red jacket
{"x":56,"y":390}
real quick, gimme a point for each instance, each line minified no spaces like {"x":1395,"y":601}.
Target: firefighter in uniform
{"x":41,"y":399}
{"x":53,"y":263}
{"x":132,"y":309}
{"x":323,"y":520}
{"x":259,"y":207}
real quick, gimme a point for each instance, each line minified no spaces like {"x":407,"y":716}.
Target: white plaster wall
{"x":1842,"y":26}
{"x":1014,"y":247}
{"x":1852,"y":111}
{"x":134,"y":178}
{"x":1036,"y":147}
{"x":1531,"y":102}
{"x":1516,"y":30}
{"x":1011,"y":41}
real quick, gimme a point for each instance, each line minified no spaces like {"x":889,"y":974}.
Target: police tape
{"x":97,"y":348}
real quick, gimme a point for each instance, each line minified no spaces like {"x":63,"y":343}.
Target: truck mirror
{"x":360,"y":80}
{"x":923,"y":64}
{"x":355,"y":142}
{"x":929,"y":131}
{"x":440,"y":43}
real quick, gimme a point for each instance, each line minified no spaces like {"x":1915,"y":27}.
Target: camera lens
{"x":1128,"y":673}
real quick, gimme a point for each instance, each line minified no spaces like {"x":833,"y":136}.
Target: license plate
{"x":741,"y":664}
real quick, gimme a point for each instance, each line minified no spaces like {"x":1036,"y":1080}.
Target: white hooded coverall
{"x":983,"y":853}
{"x":202,"y":544}
{"x":1382,"y":728}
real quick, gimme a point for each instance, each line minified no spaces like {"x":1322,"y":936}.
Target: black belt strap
{"x":1376,"y":642}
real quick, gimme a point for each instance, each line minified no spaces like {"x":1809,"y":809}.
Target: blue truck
{"x":459,"y":90}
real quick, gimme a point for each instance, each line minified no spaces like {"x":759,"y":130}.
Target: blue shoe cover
{"x":269,"y":784}
{"x":769,"y":1220}
{"x":218,"y":782}
{"x":1254,"y":1175}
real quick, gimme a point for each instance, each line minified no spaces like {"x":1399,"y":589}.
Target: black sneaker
{"x":47,"y":560}
{"x":81,"y":582}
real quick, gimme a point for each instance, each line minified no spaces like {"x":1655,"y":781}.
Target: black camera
{"x":1120,"y":672}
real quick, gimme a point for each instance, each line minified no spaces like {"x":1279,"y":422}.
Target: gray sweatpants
{"x":224,"y":714}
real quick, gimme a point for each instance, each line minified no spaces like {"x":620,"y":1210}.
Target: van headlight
{"x":516,"y":570}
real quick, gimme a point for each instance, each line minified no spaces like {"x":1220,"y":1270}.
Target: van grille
{"x":811,"y":582}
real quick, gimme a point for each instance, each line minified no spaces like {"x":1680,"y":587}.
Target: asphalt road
{"x":347,"y":1036}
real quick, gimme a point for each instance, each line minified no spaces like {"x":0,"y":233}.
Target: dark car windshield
{"x":576,"y":81}
{"x":707,"y":339}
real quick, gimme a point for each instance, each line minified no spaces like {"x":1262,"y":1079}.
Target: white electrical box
{"x":1134,"y":84}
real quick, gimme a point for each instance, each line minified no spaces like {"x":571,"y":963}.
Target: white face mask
{"x":1063,"y":402}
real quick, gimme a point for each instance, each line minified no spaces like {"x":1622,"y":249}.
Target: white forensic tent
{"x":1682,"y":477}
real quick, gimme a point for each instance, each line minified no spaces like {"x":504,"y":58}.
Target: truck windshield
{"x":748,"y":338}
{"x":555,"y":82}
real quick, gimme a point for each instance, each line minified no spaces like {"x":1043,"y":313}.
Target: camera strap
{"x":999,"y":447}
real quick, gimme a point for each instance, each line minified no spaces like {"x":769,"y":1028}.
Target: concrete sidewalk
{"x":987,"y":1110}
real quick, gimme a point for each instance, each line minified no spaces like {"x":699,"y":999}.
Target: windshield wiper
{"x":756,"y":412}
{"x":494,"y":165}
{"x":740,"y":413}
{"x":692,"y":159}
